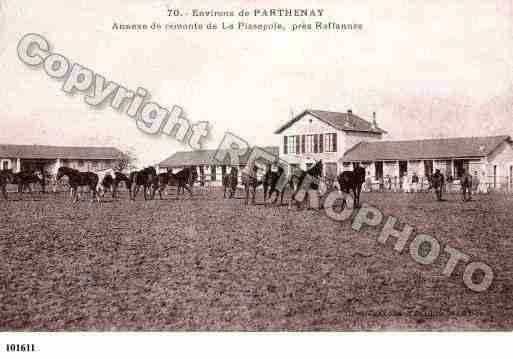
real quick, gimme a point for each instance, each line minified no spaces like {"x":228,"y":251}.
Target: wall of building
{"x":502,"y":160}
{"x":7,"y":163}
{"x":81,"y":165}
{"x":310,"y":125}
{"x":351,"y":139}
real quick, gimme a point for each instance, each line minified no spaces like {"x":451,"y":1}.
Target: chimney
{"x":374,"y":123}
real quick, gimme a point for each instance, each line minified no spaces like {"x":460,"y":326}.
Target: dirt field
{"x":212,"y":264}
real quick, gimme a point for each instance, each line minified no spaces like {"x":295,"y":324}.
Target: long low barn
{"x":489,"y":158}
{"x":209,"y":168}
{"x":32,"y":157}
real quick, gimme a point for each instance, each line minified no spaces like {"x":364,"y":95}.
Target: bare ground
{"x":212,"y":264}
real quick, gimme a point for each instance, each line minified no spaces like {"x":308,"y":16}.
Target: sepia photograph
{"x":246,"y":168}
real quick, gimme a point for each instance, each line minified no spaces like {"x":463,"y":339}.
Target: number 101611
{"x":21,"y":347}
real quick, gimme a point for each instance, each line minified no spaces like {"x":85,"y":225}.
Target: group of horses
{"x":100,"y":182}
{"x":294,"y":181}
{"x":151,"y":182}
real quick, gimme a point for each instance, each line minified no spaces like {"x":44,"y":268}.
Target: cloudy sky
{"x":428,"y":69}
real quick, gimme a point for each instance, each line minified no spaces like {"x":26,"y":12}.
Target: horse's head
{"x":8,"y":175}
{"x":315,"y":170}
{"x":60,"y":173}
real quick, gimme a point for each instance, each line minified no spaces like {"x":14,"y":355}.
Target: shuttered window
{"x":303,"y":145}
{"x":321,"y":143}
{"x":330,"y":142}
{"x":316,"y":143}
{"x":285,"y":144}
{"x":292,"y":144}
{"x":309,"y":144}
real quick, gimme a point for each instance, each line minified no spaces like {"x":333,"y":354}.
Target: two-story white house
{"x":314,"y":135}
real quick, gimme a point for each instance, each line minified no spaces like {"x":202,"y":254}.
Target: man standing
{"x":437,"y":181}
{"x":415,"y":182}
{"x":466,"y":185}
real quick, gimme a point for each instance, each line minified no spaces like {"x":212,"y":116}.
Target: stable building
{"x":37,"y":157}
{"x":324,"y":135}
{"x":209,"y":168}
{"x":489,"y":158}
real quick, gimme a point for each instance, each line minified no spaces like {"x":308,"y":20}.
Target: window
{"x":309,"y":143}
{"x":80,"y":163}
{"x":330,"y":142}
{"x":94,"y":165}
{"x":5,"y":165}
{"x":291,"y":144}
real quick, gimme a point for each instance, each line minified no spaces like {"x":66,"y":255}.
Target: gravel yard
{"x":208,"y":263}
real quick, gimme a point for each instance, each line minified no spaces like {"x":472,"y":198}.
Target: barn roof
{"x":62,"y":152}
{"x":207,"y":157}
{"x":344,"y":121}
{"x":462,"y":147}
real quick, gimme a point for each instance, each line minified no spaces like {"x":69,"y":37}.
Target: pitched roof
{"x":207,"y":157}
{"x":424,"y":149}
{"x":63,"y":152}
{"x":341,"y":121}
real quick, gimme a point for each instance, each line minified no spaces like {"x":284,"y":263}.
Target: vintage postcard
{"x":255,"y":166}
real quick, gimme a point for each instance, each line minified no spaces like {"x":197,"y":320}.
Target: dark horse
{"x":250,"y":182}
{"x":145,"y":177}
{"x":305,"y":180}
{"x":162,"y":182}
{"x":270,"y":183}
{"x":25,"y":178}
{"x":77,"y":179}
{"x":230,"y":181}
{"x":466,"y":185}
{"x":352,"y":181}
{"x":116,"y":180}
{"x":184,"y":179}
{"x":6,"y":176}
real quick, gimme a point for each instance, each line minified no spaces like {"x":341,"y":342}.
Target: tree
{"x":126,"y":162}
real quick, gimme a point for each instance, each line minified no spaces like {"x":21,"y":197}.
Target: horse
{"x":146,"y":178}
{"x":162,"y":181}
{"x":105,"y":180}
{"x":118,"y":178}
{"x":25,"y":178}
{"x":230,"y":181}
{"x":297,"y":179}
{"x":183,"y":179}
{"x":352,"y":181}
{"x":249,"y":181}
{"x":77,"y":179}
{"x":270,"y":182}
{"x":466,"y":186}
{"x":6,"y":176}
